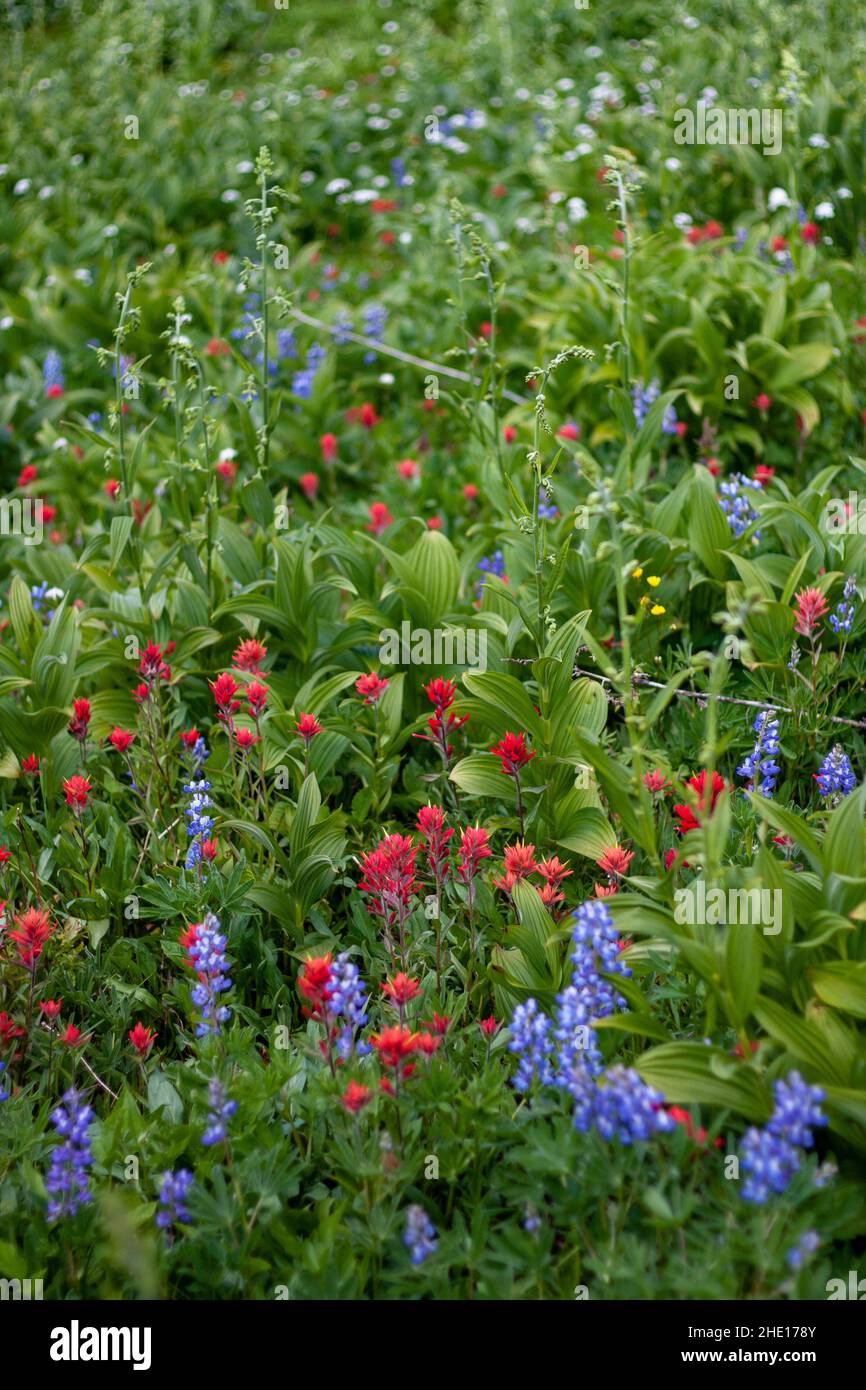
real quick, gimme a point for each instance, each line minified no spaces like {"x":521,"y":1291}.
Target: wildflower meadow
{"x":433,"y":653}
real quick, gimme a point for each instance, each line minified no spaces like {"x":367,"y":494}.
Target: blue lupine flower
{"x":741,"y":238}
{"x":842,"y":620}
{"x":342,"y":328}
{"x":208,"y":958}
{"x":488,"y":565}
{"x":576,"y":1038}
{"x":771,"y":1155}
{"x":220,"y":1112}
{"x":547,"y":511}
{"x":286,"y":346}
{"x":4,"y":1095}
{"x":172,"y":1198}
{"x":420,"y":1235}
{"x":596,"y":947}
{"x":531,"y":1042}
{"x":52,"y":371}
{"x":627,"y":1109}
{"x":531,"y":1219}
{"x":736,"y":505}
{"x":835,"y":776}
{"x":760,"y":766}
{"x":808,"y":1243}
{"x":200,"y":824}
{"x":642,"y":398}
{"x":198,"y":754}
{"x":302,"y":382}
{"x":68,"y":1181}
{"x":375,"y":318}
{"x":347,"y":1000}
{"x":398,"y":171}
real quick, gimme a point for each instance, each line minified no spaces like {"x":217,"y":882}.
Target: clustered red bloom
{"x":77,"y":792}
{"x":394,"y":1046}
{"x":389,"y":882}
{"x":811,"y":608}
{"x":246,"y":739}
{"x":519,"y":863}
{"x":257,"y":695}
{"x":474,"y":846}
{"x":442,"y":724}
{"x":225,"y":688}
{"x":655,"y":781}
{"x":355,"y":1097}
{"x":364,"y":415}
{"x":401,"y":989}
{"x":308,"y":726}
{"x":32,"y":930}
{"x":142,"y":1039}
{"x":309,"y":485}
{"x":50,"y":1007}
{"x":372,"y":687}
{"x":10,"y":1031}
{"x":711,"y":231}
{"x":687,"y":817}
{"x":513,"y":753}
{"x":615,"y":862}
{"x":328,"y":446}
{"x":80,"y":722}
{"x":120,"y":739}
{"x":313,"y":981}
{"x":152,"y":664}
{"x":488,"y":1026}
{"x":554,"y":874}
{"x":380,"y":518}
{"x":249,"y":656}
{"x":30,"y":765}
{"x":698,"y":1136}
{"x":209,"y":850}
{"x":431,"y":824}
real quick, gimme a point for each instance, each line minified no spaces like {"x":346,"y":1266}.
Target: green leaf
{"x":709,"y":532}
{"x":843,"y":840}
{"x":689,"y":1073}
{"x":481,"y":775}
{"x":842,"y":984}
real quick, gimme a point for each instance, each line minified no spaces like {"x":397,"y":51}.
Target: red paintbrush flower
{"x":30,"y":765}
{"x":80,"y":721}
{"x":309,"y":485}
{"x":395,"y":1045}
{"x":474,"y":846}
{"x":380,"y":518}
{"x":401,"y":989}
{"x":72,"y":1037}
{"x":314,"y":979}
{"x":249,"y":655}
{"x":257,"y":694}
{"x":811,"y":608}
{"x":488,"y":1026}
{"x":372,"y":687}
{"x":328,"y":446}
{"x":142,"y":1039}
{"x":10,"y":1031}
{"x":225,"y":688}
{"x":519,"y":863}
{"x":308,"y":726}
{"x":513,"y":753}
{"x":120,"y":739}
{"x":655,"y":781}
{"x":246,"y":739}
{"x":77,"y":792}
{"x":687,"y":817}
{"x":152,"y":665}
{"x":615,"y":862}
{"x":50,"y":1007}
{"x":355,"y":1097}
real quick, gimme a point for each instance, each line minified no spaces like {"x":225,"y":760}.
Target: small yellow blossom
{"x":653,"y":581}
{"x":644,"y":601}
{"x":636,"y":574}
{"x":657,"y":610}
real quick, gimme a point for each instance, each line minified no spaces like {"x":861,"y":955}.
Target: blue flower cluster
{"x":806,"y":1246}
{"x":532,"y":1044}
{"x":619,"y":1103}
{"x":835,"y":776}
{"x":736,"y":505}
{"x":771,"y":1155}
{"x":842,"y":620}
{"x":642,"y":398}
{"x":420,"y":1235}
{"x":198,"y":754}
{"x":348,"y":999}
{"x":208,"y":958}
{"x":52,"y":370}
{"x":220,"y":1112}
{"x":286,"y":345}
{"x":761,"y":766}
{"x":172,"y":1198}
{"x":488,"y":565}
{"x":4,"y":1095}
{"x":200,"y":823}
{"x":302,"y":381}
{"x":68,"y":1181}
{"x":375,"y":318}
